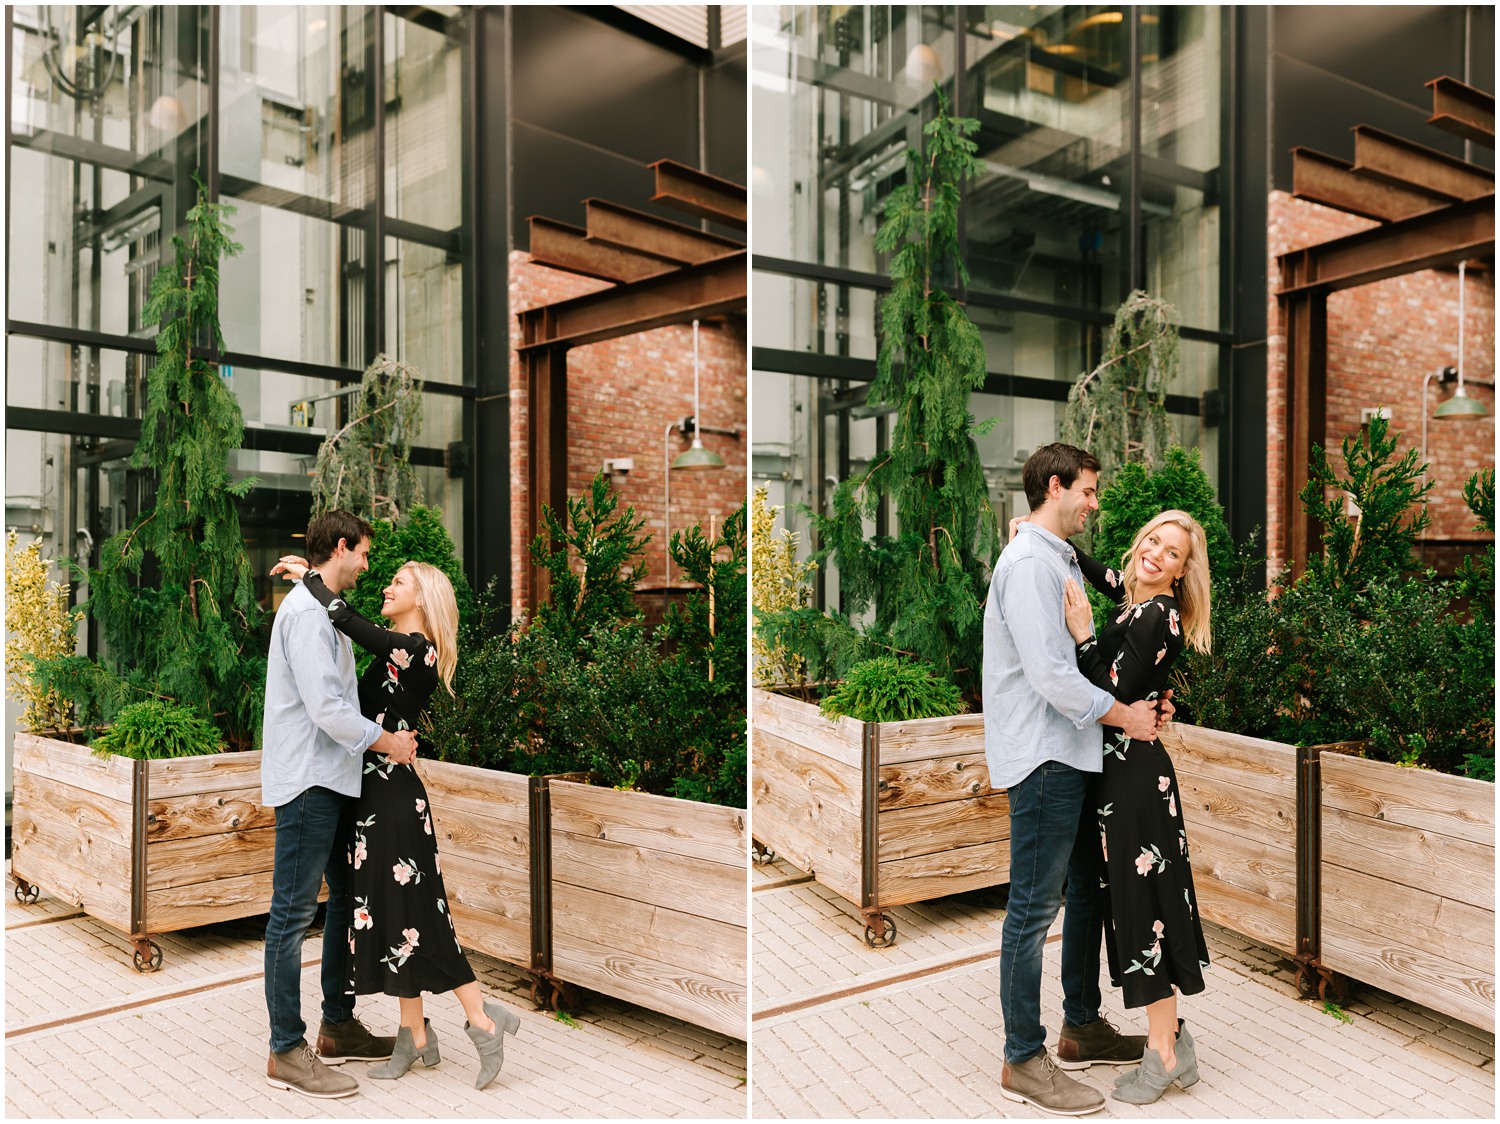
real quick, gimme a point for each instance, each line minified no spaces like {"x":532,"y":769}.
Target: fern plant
{"x":890,"y":689}
{"x":366,"y":466}
{"x":156,"y":729}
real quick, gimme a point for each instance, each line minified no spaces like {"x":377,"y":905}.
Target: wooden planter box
{"x":1408,"y":883}
{"x":145,"y":846}
{"x":883,"y":814}
{"x":1239,"y":802}
{"x":482,"y":820}
{"x":648,"y":902}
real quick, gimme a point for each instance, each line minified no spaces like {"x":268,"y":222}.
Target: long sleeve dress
{"x":1153,"y":937}
{"x":401,"y":940}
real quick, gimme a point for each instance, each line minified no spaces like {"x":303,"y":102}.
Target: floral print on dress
{"x":1149,"y":857}
{"x":406,"y":872}
{"x":362,"y":919}
{"x":361,"y":844}
{"x":401,"y":953}
{"x":1150,"y":956}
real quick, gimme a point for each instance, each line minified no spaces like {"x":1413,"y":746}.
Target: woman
{"x":402,"y":940}
{"x":1152,"y":933}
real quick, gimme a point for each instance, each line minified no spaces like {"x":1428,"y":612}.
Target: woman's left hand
{"x":292,"y":566}
{"x":1080,"y":614}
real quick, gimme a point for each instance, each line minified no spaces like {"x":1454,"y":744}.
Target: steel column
{"x":1306,"y":413}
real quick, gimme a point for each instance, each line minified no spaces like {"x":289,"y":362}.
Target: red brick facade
{"x":1382,"y":340}
{"x":622,"y":395}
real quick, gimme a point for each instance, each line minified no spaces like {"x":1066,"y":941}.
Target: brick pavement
{"x":914,"y":1031}
{"x":189,"y":1040}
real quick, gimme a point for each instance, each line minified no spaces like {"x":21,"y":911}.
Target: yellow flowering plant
{"x":41,"y":626}
{"x":779,"y":582}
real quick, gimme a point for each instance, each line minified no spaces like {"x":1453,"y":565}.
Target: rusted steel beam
{"x":673,"y":242}
{"x":698,"y":193}
{"x":1444,"y":236}
{"x":1463,"y":111}
{"x":545,"y":370}
{"x":1332,"y":182}
{"x":709,"y":288}
{"x":1306,"y":417}
{"x":561,"y":246}
{"x":1408,"y":164}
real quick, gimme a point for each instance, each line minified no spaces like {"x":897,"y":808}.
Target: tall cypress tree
{"x":926,"y":584}
{"x":193,"y":635}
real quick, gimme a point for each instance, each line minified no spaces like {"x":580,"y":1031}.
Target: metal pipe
{"x":666,"y":463}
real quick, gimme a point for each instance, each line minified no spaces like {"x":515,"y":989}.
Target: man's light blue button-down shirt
{"x":1038,"y":706}
{"x":313,"y":735}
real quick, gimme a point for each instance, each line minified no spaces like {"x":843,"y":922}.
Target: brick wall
{"x":622,"y":395}
{"x":1382,"y":339}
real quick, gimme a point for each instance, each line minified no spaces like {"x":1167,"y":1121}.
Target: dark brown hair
{"x":324,"y":533}
{"x":1063,"y":461}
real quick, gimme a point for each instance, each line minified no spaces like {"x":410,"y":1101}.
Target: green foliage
{"x":1476,"y":574}
{"x":42,"y":626}
{"x":1139,"y":493}
{"x":779,"y":583}
{"x":1118,"y":411}
{"x":156,"y":729}
{"x":1390,"y":498}
{"x":925,"y":585}
{"x":193,"y":636}
{"x":889,"y":689}
{"x":599,"y":591}
{"x":95,"y":692}
{"x":366,"y":466}
{"x":1332,"y":1008}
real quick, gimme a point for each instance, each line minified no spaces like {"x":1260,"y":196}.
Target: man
{"x":1043,"y":743}
{"x":312,"y":751}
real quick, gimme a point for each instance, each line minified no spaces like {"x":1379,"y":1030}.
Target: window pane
{"x":425,"y":310}
{"x":423,"y":117}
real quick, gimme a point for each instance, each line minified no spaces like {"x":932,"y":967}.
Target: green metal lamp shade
{"x":1460,"y":406}
{"x":698,"y":457}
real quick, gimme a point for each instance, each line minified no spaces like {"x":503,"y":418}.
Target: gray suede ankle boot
{"x":1146,"y":1084}
{"x":405,"y":1054}
{"x":491,"y":1047}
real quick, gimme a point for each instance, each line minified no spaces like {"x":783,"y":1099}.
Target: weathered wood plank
{"x":69,"y":806}
{"x":1262,"y":766}
{"x":459,"y":830}
{"x":188,"y":816}
{"x":706,"y":889}
{"x":214,"y":772}
{"x":1458,"y":807}
{"x":491,"y":905}
{"x":902,"y":742}
{"x":795,"y":813}
{"x":691,"y":996}
{"x":1209,"y":800}
{"x":503,"y":798}
{"x":707,"y":832}
{"x":665,"y":936}
{"x":1404,"y":917}
{"x":70,"y":863}
{"x":204,"y":903}
{"x":205,"y":858}
{"x":802,"y":725}
{"x":1244,"y":911}
{"x":952,"y":871}
{"x":66,"y":763}
{"x":1464,"y":992}
{"x":1423,"y":860}
{"x":1262,"y":867}
{"x":928,"y":828}
{"x":933,"y":779}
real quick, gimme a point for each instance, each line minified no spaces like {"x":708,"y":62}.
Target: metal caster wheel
{"x":761,"y":854}
{"x":26,"y":893}
{"x":881,"y":932}
{"x":147,"y":956}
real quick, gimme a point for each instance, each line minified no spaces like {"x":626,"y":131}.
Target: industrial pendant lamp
{"x":1460,"y":405}
{"x":697,"y":456}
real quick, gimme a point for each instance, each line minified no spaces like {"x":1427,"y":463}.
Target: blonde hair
{"x":440,"y":610}
{"x":1192,"y":589}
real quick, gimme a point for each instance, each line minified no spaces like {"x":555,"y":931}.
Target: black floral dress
{"x":1152,"y":933}
{"x":401,"y":939}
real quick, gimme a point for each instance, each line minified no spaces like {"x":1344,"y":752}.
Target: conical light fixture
{"x":1460,"y":405}
{"x":697,"y":456}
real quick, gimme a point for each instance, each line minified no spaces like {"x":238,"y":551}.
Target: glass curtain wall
{"x":1103,"y":151}
{"x":338,"y":134}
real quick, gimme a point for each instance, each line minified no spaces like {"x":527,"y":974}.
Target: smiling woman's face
{"x":400,"y":595}
{"x":1160,"y":560}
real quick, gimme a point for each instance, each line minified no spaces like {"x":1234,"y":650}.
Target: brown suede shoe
{"x":1097,"y":1043}
{"x":299,"y":1069}
{"x":351,"y":1041}
{"x":1037,"y":1081}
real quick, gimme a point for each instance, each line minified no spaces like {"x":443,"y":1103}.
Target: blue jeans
{"x":1054,"y":852}
{"x":312,"y":835}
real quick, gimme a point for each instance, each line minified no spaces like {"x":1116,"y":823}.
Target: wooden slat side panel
{"x":1266,"y":815}
{"x":207,"y":858}
{"x":706,"y":889}
{"x":491,"y":906}
{"x":684,"y":994}
{"x":802,"y":725}
{"x":934,"y":779}
{"x":952,"y":871}
{"x":214,"y":772}
{"x":1264,"y":766}
{"x":1453,"y":806}
{"x":1261,"y":918}
{"x":499,"y":797}
{"x":73,"y":809}
{"x":932,"y":737}
{"x":70,"y":863}
{"x":189,"y":816}
{"x":1406,"y":918}
{"x":930,"y":828}
{"x":1453,"y":989}
{"x":461,"y":831}
{"x":1422,"y":860}
{"x":795,"y":813}
{"x":665,"y":936}
{"x":66,"y":763}
{"x":693,"y":830}
{"x":1263,"y":868}
{"x":206,"y":903}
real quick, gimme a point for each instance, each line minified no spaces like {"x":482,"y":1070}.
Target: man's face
{"x":1075,"y":503}
{"x":348,"y":563}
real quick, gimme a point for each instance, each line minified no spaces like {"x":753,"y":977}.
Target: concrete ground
{"x":914,"y":1031}
{"x":88,"y":1036}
